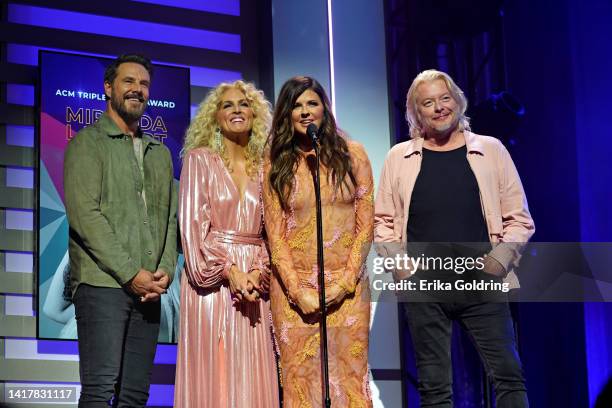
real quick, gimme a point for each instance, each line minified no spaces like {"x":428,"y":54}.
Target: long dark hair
{"x":284,"y":151}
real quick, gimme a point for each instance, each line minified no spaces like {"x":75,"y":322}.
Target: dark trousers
{"x":117,"y":343}
{"x":490,"y":327}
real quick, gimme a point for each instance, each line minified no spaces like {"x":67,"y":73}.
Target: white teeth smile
{"x":237,"y":120}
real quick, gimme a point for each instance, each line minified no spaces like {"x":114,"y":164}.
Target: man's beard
{"x":128,"y":115}
{"x":443,"y":128}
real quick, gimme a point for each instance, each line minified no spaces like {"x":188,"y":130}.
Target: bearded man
{"x":121,"y":208}
{"x":449,"y":188}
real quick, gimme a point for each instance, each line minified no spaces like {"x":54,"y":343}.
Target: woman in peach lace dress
{"x":225,"y":354}
{"x":289,"y":202}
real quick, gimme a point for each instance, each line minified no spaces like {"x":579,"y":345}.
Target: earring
{"x":217,"y":143}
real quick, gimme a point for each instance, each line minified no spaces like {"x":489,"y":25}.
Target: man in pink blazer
{"x":450,"y":185}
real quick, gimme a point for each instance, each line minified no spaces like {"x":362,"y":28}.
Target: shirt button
{"x":145,"y":221}
{"x":149,"y":252}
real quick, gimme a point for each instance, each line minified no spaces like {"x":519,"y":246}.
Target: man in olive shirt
{"x":121,"y":207}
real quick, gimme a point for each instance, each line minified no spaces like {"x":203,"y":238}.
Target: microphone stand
{"x":322,"y":306}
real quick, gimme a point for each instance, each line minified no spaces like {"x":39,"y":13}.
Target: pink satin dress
{"x":225,"y":351}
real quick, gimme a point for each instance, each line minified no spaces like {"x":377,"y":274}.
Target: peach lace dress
{"x":347,"y":230}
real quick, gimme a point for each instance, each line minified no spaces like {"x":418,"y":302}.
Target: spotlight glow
{"x":330,"y":36}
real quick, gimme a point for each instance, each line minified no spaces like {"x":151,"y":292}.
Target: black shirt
{"x":445,"y":203}
{"x":445,"y":209}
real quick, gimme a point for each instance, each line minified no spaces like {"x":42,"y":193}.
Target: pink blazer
{"x":502,"y":197}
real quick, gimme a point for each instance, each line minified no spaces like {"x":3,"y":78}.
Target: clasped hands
{"x":149,"y":285}
{"x":245,"y":286}
{"x":308,"y":299}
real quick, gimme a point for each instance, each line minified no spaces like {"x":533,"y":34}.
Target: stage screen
{"x":71,"y":96}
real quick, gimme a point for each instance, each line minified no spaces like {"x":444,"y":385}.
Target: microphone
{"x":313,"y":131}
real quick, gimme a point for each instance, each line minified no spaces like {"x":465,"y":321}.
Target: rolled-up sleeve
{"x":517,"y":224}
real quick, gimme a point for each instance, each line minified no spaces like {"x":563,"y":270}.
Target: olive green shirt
{"x":113,"y":233}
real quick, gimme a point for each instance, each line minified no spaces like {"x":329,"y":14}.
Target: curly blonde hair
{"x":201,"y":131}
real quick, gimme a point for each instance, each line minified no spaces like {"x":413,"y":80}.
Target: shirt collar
{"x":109,"y":126}
{"x":472,"y":143}
{"x":414,"y":146}
{"x":111,"y":129}
{"x":148,"y":139}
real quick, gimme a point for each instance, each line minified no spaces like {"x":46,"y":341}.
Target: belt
{"x":236,"y":237}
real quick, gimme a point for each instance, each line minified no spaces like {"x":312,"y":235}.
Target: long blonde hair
{"x":201,"y":131}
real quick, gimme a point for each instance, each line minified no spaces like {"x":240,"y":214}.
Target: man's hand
{"x":493,"y":267}
{"x":163,"y":280}
{"x":401,"y":274}
{"x":145,"y":286}
{"x":308,"y":301}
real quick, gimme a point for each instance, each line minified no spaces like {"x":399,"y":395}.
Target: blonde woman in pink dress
{"x":225,"y":353}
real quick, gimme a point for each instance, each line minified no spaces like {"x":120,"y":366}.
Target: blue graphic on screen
{"x":72,"y":97}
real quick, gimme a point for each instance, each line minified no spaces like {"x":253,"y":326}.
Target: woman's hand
{"x":334,"y":295}
{"x":254,"y":282}
{"x":241,"y":285}
{"x":308,"y":301}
